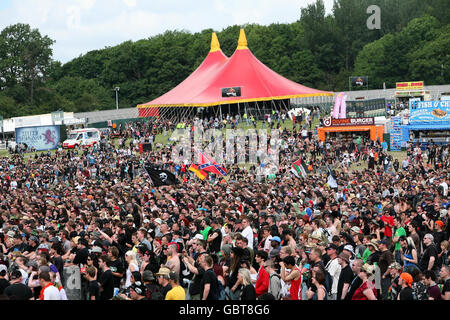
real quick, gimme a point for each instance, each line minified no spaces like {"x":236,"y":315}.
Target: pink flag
{"x":337,"y":105}
{"x":343,"y":112}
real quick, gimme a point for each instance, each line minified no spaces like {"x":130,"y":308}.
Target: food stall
{"x":348,"y":129}
{"x":410,"y":92}
{"x":429,"y":121}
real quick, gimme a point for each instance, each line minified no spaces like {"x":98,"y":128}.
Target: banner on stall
{"x":429,"y":111}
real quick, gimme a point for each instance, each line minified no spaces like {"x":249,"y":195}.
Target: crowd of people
{"x":381,"y":234}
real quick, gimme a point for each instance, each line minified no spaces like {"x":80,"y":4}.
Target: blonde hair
{"x":410,"y":243}
{"x":132,"y":256}
{"x":444,"y":244}
{"x":246,"y":277}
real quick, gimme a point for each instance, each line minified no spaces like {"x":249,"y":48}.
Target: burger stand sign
{"x":430,"y":111}
{"x":346,"y":122}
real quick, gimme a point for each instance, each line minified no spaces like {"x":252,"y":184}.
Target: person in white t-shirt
{"x":49,"y":291}
{"x":444,"y":185}
{"x":334,"y":269}
{"x":247,"y":232}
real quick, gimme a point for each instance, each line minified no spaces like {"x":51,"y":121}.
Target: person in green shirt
{"x":206,"y":228}
{"x":370,"y":247}
{"x":399,"y":231}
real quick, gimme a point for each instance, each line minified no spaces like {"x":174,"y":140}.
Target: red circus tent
{"x":241,"y":78}
{"x":187,"y":89}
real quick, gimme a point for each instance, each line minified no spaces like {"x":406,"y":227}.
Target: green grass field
{"x":163,"y":140}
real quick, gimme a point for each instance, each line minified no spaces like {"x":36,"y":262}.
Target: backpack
{"x":220,"y":294}
{"x":278,"y":295}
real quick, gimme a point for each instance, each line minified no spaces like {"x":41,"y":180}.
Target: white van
{"x":82,"y":137}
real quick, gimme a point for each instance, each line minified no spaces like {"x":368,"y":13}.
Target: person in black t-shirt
{"x":209,"y":281}
{"x":248,"y":289}
{"x":93,"y":290}
{"x":3,"y":282}
{"x":116,"y":266}
{"x":429,"y":256}
{"x":163,"y":280}
{"x":445,"y":276}
{"x":405,"y":282}
{"x":215,"y":237}
{"x":106,"y":279}
{"x":356,"y":281}
{"x":82,"y":253}
{"x":345,"y":277}
{"x":19,"y":245}
{"x":17,"y":290}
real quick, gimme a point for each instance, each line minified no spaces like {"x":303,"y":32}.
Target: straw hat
{"x":374,"y":244}
{"x":369,"y":269}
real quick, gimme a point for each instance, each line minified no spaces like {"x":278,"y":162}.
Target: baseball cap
{"x":276,"y":238}
{"x":174,"y":276}
{"x":355,"y":229}
{"x":43,"y":247}
{"x":158,"y":221}
{"x":147,"y":275}
{"x":332,"y":246}
{"x":3,"y":268}
{"x":349,"y":248}
{"x":382,"y":241}
{"x":198,"y":236}
{"x":139,"y":288}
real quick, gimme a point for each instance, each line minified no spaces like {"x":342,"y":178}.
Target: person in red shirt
{"x":388,"y":224}
{"x":262,"y":280}
{"x":294,"y":277}
{"x":366,"y":290}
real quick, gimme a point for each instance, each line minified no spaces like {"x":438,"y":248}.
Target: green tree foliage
{"x":318,"y":50}
{"x":415,"y":53}
{"x":25,"y":57}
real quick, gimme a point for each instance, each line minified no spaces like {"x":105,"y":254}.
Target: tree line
{"x":319,"y":50}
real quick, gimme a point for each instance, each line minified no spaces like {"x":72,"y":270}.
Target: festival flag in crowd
{"x":161,"y":177}
{"x":331,"y":179}
{"x":299,"y":167}
{"x":208,"y":164}
{"x":201,"y":174}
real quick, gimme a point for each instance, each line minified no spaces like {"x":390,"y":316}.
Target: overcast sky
{"x":79,"y":26}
